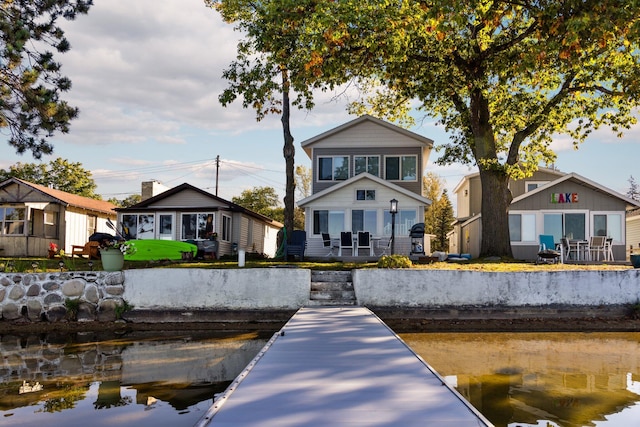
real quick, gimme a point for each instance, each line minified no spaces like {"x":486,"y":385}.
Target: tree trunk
{"x":496,"y":198}
{"x":289,"y":152}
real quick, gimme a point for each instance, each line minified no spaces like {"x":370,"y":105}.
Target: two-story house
{"x":549,"y":202}
{"x":358,"y":168}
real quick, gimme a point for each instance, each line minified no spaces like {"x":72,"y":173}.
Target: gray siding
{"x":588,"y":199}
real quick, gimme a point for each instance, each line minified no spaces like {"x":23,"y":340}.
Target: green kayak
{"x":154,"y":250}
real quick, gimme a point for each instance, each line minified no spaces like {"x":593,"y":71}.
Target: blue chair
{"x":297,"y":245}
{"x":547,"y":251}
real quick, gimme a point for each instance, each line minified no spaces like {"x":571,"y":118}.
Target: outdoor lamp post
{"x":393,"y":210}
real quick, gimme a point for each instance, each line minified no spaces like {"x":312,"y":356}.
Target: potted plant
{"x":112,"y":253}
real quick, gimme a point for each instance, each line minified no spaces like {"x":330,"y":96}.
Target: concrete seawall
{"x":44,"y":296}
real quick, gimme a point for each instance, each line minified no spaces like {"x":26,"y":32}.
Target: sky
{"x":146,"y":77}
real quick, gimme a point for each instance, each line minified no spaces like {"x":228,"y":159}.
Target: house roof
{"x":580,"y":180}
{"x":65,"y":198}
{"x":306,"y":145}
{"x":233,"y":207}
{"x":475,"y":174}
{"x":360,"y":177}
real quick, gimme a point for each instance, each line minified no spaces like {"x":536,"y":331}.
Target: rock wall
{"x":85,"y":296}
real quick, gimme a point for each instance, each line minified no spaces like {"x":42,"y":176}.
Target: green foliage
{"x":59,"y":174}
{"x":31,"y":82}
{"x":394,"y":261}
{"x":634,"y":191}
{"x":259,"y":199}
{"x":72,"y":306}
{"x":129,"y":201}
{"x":123,"y":308}
{"x":438,"y":217}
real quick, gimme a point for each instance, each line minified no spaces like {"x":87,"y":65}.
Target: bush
{"x":394,"y":261}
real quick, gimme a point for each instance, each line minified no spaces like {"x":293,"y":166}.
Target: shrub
{"x":394,"y":261}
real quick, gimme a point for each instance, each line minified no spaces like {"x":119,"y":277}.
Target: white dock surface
{"x":339,"y":366}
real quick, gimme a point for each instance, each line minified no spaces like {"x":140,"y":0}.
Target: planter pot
{"x":112,"y":259}
{"x":635,"y":261}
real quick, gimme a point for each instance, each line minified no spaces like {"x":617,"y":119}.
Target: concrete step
{"x":331,"y":276}
{"x":328,"y":295}
{"x":332,"y":286}
{"x":333,"y":303}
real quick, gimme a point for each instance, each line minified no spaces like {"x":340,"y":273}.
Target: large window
{"x":138,"y":226}
{"x":405,"y":219}
{"x":13,"y":220}
{"x":370,"y":164}
{"x":197,"y":226}
{"x":326,"y":221}
{"x":522,"y":227}
{"x":401,"y":168}
{"x":333,"y":168}
{"x":609,"y":225}
{"x":569,"y":225}
{"x":364,"y":220}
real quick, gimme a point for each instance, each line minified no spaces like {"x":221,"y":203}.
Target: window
{"x":401,"y":168}
{"x":13,"y":220}
{"x":405,"y":219}
{"x":325,"y":221}
{"x":138,"y":226}
{"x":333,"y":168}
{"x":609,"y":225}
{"x":197,"y":226}
{"x":92,"y":221}
{"x":370,"y":164}
{"x":522,"y":227}
{"x":569,"y":225}
{"x":226,"y":228}
{"x":365,"y":194}
{"x":532,"y":185}
{"x":165,"y":230}
{"x":364,"y":220}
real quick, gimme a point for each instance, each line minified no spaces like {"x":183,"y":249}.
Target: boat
{"x":156,"y":249}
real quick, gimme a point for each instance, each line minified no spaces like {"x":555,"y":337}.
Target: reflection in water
{"x":541,"y":379}
{"x":139,"y":379}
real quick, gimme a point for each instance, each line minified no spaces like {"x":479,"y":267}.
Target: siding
{"x":413,"y":186}
{"x":588,"y":199}
{"x":186,"y":198}
{"x":633,"y":233}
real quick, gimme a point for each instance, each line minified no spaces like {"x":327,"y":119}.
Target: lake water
{"x":151,"y":379}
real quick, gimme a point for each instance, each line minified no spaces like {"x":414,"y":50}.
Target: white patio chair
{"x":597,"y":246}
{"x":364,"y":242}
{"x":346,"y":242}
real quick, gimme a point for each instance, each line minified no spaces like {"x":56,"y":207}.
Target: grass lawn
{"x":24,"y":265}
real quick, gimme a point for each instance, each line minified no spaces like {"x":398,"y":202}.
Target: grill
{"x":417,"y":238}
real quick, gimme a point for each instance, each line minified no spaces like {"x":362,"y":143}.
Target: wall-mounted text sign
{"x":564,"y":197}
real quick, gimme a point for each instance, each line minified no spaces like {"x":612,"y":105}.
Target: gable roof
{"x":65,"y":198}
{"x":580,"y":180}
{"x":306,"y":145}
{"x":359,"y":177}
{"x":233,"y":207}
{"x":476,"y":174}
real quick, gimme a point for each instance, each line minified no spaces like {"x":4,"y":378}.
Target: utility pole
{"x":217,"y":169}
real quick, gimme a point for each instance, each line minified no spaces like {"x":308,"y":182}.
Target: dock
{"x":339,"y":366}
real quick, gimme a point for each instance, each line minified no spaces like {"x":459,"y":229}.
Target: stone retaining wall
{"x":48,"y":296}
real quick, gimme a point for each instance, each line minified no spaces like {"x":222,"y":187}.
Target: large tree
{"x":59,"y":174}
{"x":30,"y":79}
{"x":266,"y":73}
{"x":503,"y":77}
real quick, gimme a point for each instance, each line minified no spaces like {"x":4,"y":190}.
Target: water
{"x":140,"y":379}
{"x":169,"y":379}
{"x":541,"y":379}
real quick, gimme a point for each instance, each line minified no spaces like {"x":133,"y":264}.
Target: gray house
{"x":550,"y":202}
{"x":186,"y":212}
{"x":358,"y":168}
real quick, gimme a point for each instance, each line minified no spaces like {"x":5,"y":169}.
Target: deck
{"x":339,"y":366}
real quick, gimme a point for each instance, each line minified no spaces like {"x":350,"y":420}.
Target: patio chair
{"x":386,"y":249}
{"x":364,"y":242}
{"x":297,"y":245}
{"x":90,"y":249}
{"x":597,"y":246}
{"x":346,"y":242}
{"x":327,"y":243}
{"x":547,"y":252}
